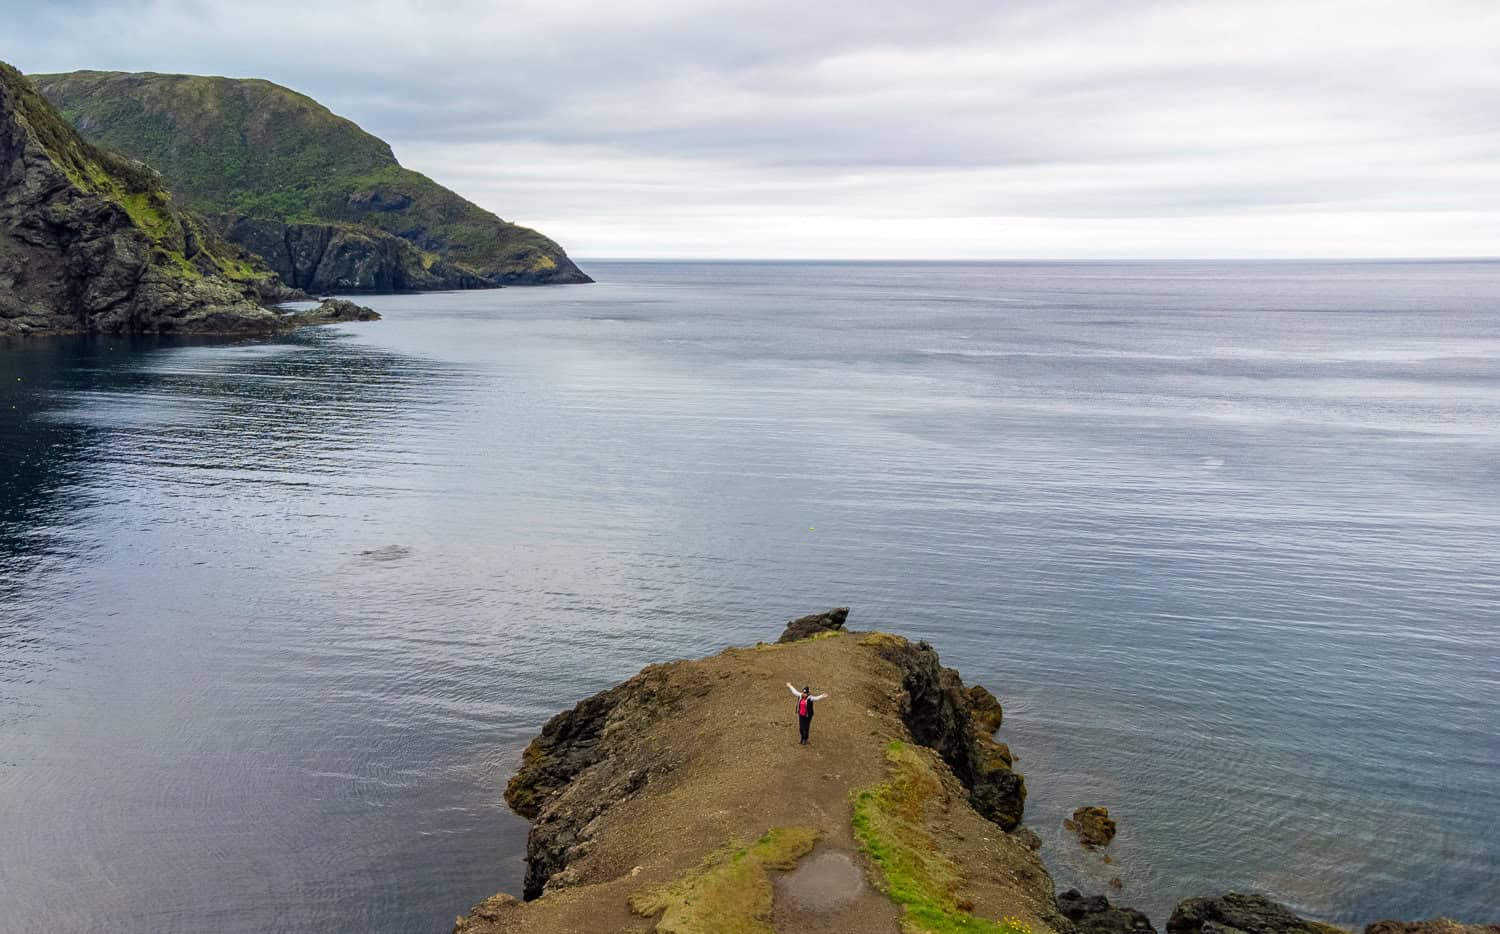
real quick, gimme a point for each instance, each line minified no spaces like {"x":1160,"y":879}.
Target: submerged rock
{"x":333,"y":310}
{"x":1093,"y":914}
{"x":1093,"y":825}
{"x":805,"y":626}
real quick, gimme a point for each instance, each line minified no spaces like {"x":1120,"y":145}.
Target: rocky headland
{"x":91,"y":242}
{"x":322,"y":202}
{"x":680,"y":801}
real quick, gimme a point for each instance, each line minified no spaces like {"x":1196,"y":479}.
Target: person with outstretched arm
{"x":805,"y":699}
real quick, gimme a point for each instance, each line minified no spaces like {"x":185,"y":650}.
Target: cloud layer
{"x":887,"y":129}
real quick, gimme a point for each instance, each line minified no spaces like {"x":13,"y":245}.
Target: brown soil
{"x":726,"y":767}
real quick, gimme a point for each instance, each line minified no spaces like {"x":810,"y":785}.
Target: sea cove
{"x":279,"y":615}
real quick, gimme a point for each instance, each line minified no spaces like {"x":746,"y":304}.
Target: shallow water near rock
{"x":277,"y":617}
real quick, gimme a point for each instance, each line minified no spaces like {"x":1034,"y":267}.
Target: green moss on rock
{"x":91,"y":241}
{"x":915,"y":872}
{"x":731,"y":892}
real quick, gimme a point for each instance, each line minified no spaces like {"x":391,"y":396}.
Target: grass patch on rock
{"x":731,"y":892}
{"x":915,"y":872}
{"x":881,"y":640}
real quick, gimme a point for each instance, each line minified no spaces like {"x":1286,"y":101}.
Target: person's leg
{"x":802,"y":724}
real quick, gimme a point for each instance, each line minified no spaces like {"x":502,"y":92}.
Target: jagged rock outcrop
{"x":1093,"y":914}
{"x":806,"y":626}
{"x":557,"y":787}
{"x":1240,"y":913}
{"x":937,"y":710}
{"x":314,"y":183}
{"x":90,"y":242}
{"x":1093,"y":825}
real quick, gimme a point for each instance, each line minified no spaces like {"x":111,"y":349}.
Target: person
{"x":805,"y":698}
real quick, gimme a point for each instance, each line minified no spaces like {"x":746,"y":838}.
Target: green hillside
{"x":90,"y":240}
{"x":176,"y":237}
{"x":250,"y":148}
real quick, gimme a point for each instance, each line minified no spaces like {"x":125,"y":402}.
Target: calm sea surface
{"x":277,"y":617}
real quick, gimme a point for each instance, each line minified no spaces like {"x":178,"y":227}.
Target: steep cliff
{"x":276,"y":167}
{"x":90,"y":241}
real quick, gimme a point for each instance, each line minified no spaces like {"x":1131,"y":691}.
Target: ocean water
{"x":278,"y":616}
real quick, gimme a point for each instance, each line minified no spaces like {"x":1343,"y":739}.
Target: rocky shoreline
{"x":91,"y":242}
{"x":679,"y":801}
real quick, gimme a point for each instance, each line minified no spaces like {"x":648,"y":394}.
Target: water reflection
{"x":1214,"y":533}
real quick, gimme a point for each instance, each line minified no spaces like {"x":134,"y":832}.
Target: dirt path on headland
{"x":716,"y":740}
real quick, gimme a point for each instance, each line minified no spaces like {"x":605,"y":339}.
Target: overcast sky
{"x":919,"y":128}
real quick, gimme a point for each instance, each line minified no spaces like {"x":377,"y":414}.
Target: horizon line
{"x":1042,"y":259}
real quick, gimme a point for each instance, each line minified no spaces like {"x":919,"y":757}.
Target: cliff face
{"x":90,"y":241}
{"x":279,"y":168}
{"x":344,"y":258}
{"x":676,"y":801}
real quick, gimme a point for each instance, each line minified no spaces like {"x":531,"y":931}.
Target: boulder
{"x":1093,"y":825}
{"x":1240,"y":913}
{"x":803,"y":627}
{"x":988,"y":714}
{"x":1093,"y":914}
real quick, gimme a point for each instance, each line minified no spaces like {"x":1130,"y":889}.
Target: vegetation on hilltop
{"x":176,"y":236}
{"x":248,"y":147}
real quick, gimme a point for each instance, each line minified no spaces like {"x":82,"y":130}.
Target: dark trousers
{"x":802,"y":724}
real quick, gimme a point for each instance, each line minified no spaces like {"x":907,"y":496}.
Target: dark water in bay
{"x":276,"y":618}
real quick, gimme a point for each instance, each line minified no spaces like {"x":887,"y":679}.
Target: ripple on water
{"x":277,"y":618}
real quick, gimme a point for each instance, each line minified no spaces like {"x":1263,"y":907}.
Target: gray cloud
{"x":887,"y":128}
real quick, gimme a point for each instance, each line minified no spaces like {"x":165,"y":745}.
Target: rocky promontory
{"x":91,"y":242}
{"x":680,"y":801}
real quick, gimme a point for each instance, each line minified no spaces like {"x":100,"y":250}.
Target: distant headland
{"x":183,"y":204}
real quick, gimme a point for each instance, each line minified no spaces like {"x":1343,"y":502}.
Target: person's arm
{"x":795,"y":692}
{"x":818,"y":696}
